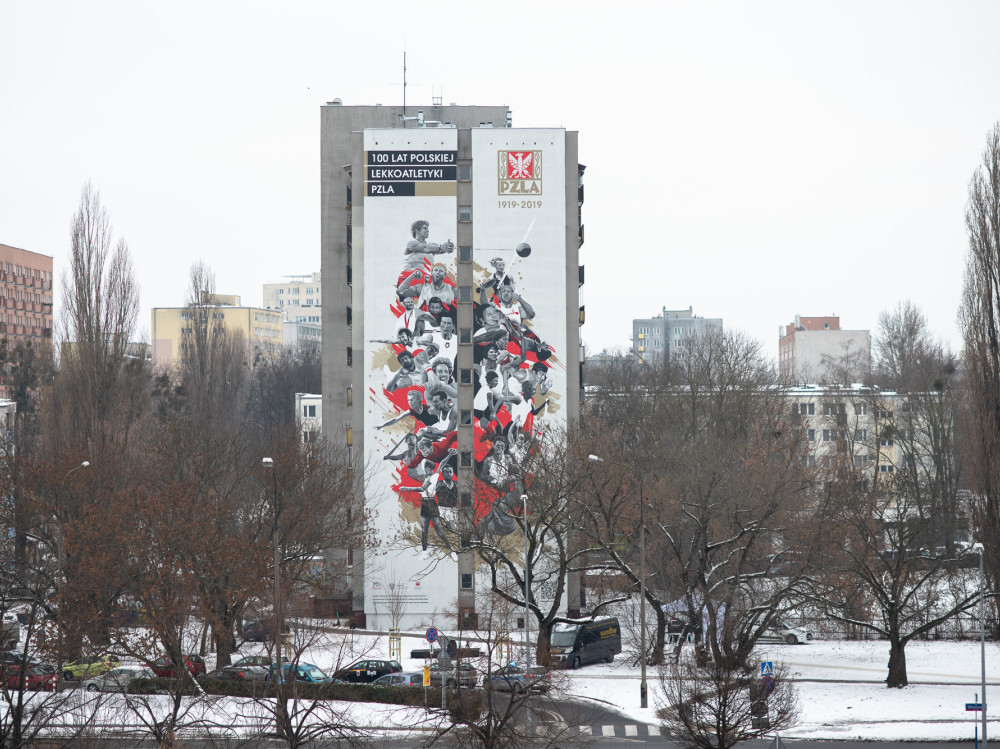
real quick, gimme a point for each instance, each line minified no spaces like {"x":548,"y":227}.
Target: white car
{"x":118,"y":679}
{"x":781,"y":631}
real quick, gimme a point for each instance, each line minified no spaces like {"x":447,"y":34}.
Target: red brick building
{"x":25,"y":300}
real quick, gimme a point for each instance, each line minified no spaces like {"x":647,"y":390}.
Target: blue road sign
{"x":431,"y":634}
{"x":766,"y":668}
{"x":973,"y":706}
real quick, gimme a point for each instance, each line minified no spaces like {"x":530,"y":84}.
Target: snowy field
{"x":842,"y":690}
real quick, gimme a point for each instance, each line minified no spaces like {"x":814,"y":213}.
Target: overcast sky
{"x":752,"y":160}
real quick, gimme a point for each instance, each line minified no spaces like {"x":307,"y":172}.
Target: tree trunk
{"x":659,"y":637}
{"x":542,"y":654}
{"x":897,"y":662}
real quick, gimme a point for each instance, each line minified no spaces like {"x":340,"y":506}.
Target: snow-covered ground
{"x":840,"y":684}
{"x":842,"y":690}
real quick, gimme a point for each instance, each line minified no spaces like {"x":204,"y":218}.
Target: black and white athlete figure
{"x":435,"y":287}
{"x":498,"y":279}
{"x":416,"y":256}
{"x":420,"y":413}
{"x":444,"y":338}
{"x":407,"y":375}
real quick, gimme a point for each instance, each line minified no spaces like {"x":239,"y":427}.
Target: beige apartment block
{"x":261,"y":328}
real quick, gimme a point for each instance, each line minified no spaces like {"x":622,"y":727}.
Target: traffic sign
{"x":767,"y":684}
{"x":973,"y":706}
{"x":766,"y":668}
{"x":431,"y":634}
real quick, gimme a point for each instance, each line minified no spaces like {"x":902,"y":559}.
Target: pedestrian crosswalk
{"x":619,"y":730}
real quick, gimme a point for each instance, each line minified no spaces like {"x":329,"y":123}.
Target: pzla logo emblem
{"x":519,"y":172}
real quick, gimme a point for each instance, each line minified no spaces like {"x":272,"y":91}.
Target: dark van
{"x":576,"y":644}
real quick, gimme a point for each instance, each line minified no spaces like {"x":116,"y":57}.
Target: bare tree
{"x":891,"y":508}
{"x":714,"y":453}
{"x":495,"y":719}
{"x":100,"y":385}
{"x":979,"y":317}
{"x":717,"y":705}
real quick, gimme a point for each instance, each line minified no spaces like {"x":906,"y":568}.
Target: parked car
{"x":36,"y":677}
{"x":165,"y":668}
{"x":781,"y":631}
{"x":412,"y":679}
{"x":464,"y":675}
{"x":11,"y":630}
{"x":119,"y":679}
{"x":237,"y":673}
{"x":676,"y":627}
{"x":257,"y":660}
{"x":304,"y":672}
{"x":259,"y":630}
{"x":514,"y":678}
{"x":368,"y":670}
{"x":90,"y":666}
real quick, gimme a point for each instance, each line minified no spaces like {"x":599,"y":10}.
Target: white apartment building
{"x":299,"y":298}
{"x":309,"y":415}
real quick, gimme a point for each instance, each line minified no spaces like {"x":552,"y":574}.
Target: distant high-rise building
{"x":299,"y":298}
{"x":25,"y":302}
{"x":816,"y":350}
{"x":667,"y":336}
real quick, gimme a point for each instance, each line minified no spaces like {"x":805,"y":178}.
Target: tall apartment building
{"x":815,"y":349}
{"x":299,"y":298}
{"x":667,"y":336}
{"x":436,"y":224}
{"x":25,"y":302}
{"x":261,"y":328}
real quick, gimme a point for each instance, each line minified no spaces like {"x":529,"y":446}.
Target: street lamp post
{"x":982,"y":638}
{"x":643,"y":693}
{"x":61,"y":570}
{"x":527,"y":590}
{"x":269,"y":464}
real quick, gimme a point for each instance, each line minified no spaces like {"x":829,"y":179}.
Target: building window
{"x":466,"y":459}
{"x":812,"y":435}
{"x":885,"y":443}
{"x":350,"y":356}
{"x":350,"y":436}
{"x":465,"y":417}
{"x":309,"y":411}
{"x":465,"y":335}
{"x":465,"y":213}
{"x":883,"y":468}
{"x":466,"y":499}
{"x":883,"y":414}
{"x":350,"y":395}
{"x":465,"y":293}
{"x":829,"y":435}
{"x":861,"y":409}
{"x":465,"y":254}
{"x":860,"y":434}
{"x":465,"y":376}
{"x":806,"y":409}
{"x":465,"y":172}
{"x":466,"y":580}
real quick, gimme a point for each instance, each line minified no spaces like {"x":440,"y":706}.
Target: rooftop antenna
{"x":404,"y":83}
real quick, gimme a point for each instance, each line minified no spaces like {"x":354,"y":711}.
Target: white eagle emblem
{"x":519,"y":163}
